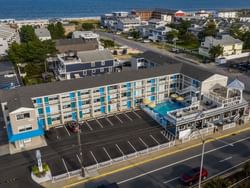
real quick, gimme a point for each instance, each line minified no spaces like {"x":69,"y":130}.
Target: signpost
{"x":39,"y":160}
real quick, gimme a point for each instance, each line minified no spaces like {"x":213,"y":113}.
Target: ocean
{"x":35,"y":9}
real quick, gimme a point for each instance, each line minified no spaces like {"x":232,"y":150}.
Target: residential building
{"x":76,"y":44}
{"x":179,"y":13}
{"x":144,"y":15}
{"x":8,"y":77}
{"x":157,"y":23}
{"x":80,"y":64}
{"x":208,"y":99}
{"x":230,"y":45}
{"x":203,"y":14}
{"x":148,"y":59}
{"x":159,"y":12}
{"x":110,"y":20}
{"x":159,"y":34}
{"x":127,"y":24}
{"x":86,"y":35}
{"x":195,"y":29}
{"x":227,"y":14}
{"x":43,"y":34}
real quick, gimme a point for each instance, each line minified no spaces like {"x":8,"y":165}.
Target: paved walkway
{"x":149,"y":157}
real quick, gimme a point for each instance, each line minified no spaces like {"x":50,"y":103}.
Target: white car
{"x":146,"y":41}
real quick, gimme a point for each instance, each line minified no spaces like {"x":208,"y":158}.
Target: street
{"x":165,"y":172}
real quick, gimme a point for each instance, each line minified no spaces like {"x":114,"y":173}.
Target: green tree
{"x":56,"y":30}
{"x":210,"y":29}
{"x":171,"y":35}
{"x":216,"y":183}
{"x":107,"y":43}
{"x":246,"y":39}
{"x":216,"y":51}
{"x":27,"y":34}
{"x":190,"y":40}
{"x":135,"y":34}
{"x":88,"y":26}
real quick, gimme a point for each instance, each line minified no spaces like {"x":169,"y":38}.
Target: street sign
{"x":39,"y":160}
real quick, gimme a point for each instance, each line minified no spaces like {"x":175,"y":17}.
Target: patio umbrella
{"x":179,"y":98}
{"x":146,"y":101}
{"x":151,"y":105}
{"x":174,"y":95}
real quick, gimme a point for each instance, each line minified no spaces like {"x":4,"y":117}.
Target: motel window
{"x":25,"y":128}
{"x":84,"y":72}
{"x":23,"y":116}
{"x":92,"y":64}
{"x":101,"y":69}
{"x":103,"y":63}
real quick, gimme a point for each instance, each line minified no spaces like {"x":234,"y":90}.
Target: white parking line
{"x":108,"y":120}
{"x":66,"y":130}
{"x":143,"y":142}
{"x":119,"y":149}
{"x":132,"y":146}
{"x":137,"y":115}
{"x":65,"y":165}
{"x":226,"y":159}
{"x":99,"y":123}
{"x":154,"y":139}
{"x":118,"y":118}
{"x":128,"y":117}
{"x":93,"y":157}
{"x":89,"y":126}
{"x":106,"y":152}
{"x":78,"y":159}
{"x":168,"y":181}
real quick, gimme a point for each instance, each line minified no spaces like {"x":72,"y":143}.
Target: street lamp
{"x":80,"y":149}
{"x":203,"y":152}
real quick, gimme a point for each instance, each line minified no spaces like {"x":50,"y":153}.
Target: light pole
{"x":80,"y":150}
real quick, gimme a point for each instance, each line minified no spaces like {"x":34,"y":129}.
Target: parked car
{"x":192,"y":176}
{"x":73,"y":126}
{"x":146,"y":41}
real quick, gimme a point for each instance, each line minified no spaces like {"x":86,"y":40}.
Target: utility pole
{"x":80,"y":150}
{"x":202,"y":159}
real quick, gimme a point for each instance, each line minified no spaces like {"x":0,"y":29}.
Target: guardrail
{"x":95,"y":167}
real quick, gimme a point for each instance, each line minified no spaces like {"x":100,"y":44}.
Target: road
{"x":219,"y":156}
{"x":180,"y":58}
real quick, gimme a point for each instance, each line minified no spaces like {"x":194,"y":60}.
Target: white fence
{"x":228,"y":126}
{"x":113,"y":161}
{"x":197,"y":134}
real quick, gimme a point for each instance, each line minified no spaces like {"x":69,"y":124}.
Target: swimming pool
{"x":165,"y":107}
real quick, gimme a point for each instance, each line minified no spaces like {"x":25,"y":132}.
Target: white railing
{"x":197,"y":134}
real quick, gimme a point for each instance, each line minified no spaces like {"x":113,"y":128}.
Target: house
{"x":8,"y":77}
{"x":76,"y":44}
{"x":209,"y":100}
{"x":86,"y":35}
{"x":195,"y":29}
{"x":159,"y":12}
{"x":43,"y":34}
{"x":127,"y":24}
{"x":144,"y":30}
{"x":203,"y":14}
{"x":73,"y":65}
{"x":227,"y":14}
{"x":230,"y":45}
{"x":157,"y":23}
{"x":159,"y":34}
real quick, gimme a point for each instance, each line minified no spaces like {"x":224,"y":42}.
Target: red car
{"x":193,"y":175}
{"x":73,"y":126}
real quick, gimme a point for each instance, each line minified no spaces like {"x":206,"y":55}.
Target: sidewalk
{"x":147,"y":158}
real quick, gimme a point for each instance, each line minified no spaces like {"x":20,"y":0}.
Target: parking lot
{"x":104,"y":139}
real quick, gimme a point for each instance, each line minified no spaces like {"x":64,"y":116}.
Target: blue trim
{"x":21,"y":136}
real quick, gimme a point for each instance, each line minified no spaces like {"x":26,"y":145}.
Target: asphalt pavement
{"x":220,"y":156}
